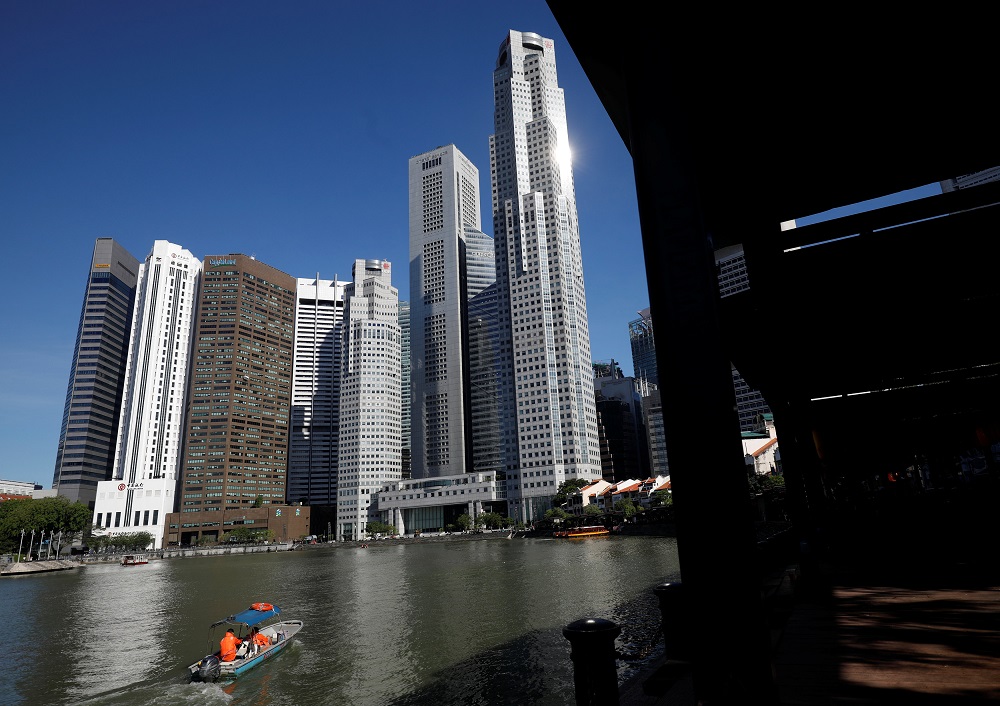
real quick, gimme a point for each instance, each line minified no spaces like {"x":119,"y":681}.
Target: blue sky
{"x":276,"y":129}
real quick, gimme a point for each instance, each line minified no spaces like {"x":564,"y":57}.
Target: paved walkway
{"x":869,"y":632}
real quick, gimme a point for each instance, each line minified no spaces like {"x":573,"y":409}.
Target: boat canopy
{"x":251,"y":616}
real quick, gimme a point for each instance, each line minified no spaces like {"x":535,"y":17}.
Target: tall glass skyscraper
{"x":547,"y":396}
{"x":451,"y":262}
{"x":143,"y":487}
{"x":640,"y":334}
{"x":86,"y":451}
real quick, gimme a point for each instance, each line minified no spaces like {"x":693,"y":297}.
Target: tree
{"x":566,"y":488}
{"x":464,"y":521}
{"x":49,"y":515}
{"x":122,"y":542}
{"x":378,"y":527}
{"x":237,"y":535}
{"x":258,"y":501}
{"x":492,"y":520}
{"x":662,"y":498}
{"x":556,"y":513}
{"x":626,"y":507}
{"x":592,"y":510}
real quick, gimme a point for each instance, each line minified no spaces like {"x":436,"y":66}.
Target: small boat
{"x":131,"y":560}
{"x":266,"y":618}
{"x":577,"y":532}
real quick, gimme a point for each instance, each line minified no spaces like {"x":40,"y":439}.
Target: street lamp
{"x":20,"y":546}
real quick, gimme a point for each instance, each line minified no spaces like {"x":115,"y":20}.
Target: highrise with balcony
{"x":87,"y":439}
{"x":143,"y":487}
{"x":547,"y":396}
{"x":370,"y":396}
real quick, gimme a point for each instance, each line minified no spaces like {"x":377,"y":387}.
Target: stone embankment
{"x":24,"y":568}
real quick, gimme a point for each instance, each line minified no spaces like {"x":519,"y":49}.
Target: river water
{"x":426,"y":623}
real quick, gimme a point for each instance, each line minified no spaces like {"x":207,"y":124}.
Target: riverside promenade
{"x":868,"y":626}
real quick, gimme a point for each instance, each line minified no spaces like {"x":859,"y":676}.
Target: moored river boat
{"x":579,"y":532}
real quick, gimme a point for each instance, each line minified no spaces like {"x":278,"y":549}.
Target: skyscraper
{"x":86,"y":451}
{"x":237,"y":430}
{"x":640,"y":334}
{"x":451,"y":262}
{"x":547,"y":395}
{"x":312,"y":467}
{"x":143,"y":487}
{"x":405,"y":448}
{"x":734,"y":278}
{"x":370,"y":396}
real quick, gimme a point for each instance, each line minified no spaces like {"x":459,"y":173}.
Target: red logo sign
{"x":121,"y":486}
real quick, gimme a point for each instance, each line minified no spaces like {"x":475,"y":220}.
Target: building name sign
{"x":100,"y":264}
{"x":220,"y":261}
{"x":130,"y":486}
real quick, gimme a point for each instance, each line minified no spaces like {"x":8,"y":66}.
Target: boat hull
{"x":582,"y":532}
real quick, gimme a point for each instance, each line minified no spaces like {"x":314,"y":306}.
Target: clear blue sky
{"x":278,"y":129}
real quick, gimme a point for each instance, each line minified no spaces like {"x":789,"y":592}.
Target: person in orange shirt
{"x":259,"y":640}
{"x":228,"y":645}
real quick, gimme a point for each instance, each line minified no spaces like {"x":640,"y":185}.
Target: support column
{"x":730,"y":645}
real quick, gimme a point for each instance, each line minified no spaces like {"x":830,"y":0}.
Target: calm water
{"x":438,"y":623}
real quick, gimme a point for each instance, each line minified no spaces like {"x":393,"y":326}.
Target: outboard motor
{"x":209,"y":668}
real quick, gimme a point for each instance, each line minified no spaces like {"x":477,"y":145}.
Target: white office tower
{"x":549,"y":391}
{"x":147,"y":461}
{"x":370,"y":396}
{"x":404,"y":385}
{"x":312,"y":463}
{"x":451,"y":261}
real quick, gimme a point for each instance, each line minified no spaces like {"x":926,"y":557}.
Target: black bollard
{"x":675,"y":620}
{"x":595,"y":672}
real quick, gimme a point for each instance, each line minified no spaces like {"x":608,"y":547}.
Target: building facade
{"x":142,"y":490}
{"x":624,"y":450}
{"x":237,"y":427}
{"x":370,"y":397}
{"x":734,"y":278}
{"x":86,"y":452}
{"x":315,"y":432}
{"x":405,"y":443}
{"x":640,"y":334}
{"x":451,"y":262}
{"x":656,"y":437}
{"x":547,"y":389}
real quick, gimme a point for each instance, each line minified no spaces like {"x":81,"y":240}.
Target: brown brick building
{"x":235,"y":459}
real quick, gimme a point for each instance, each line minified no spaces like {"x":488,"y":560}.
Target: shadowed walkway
{"x":865,"y":629}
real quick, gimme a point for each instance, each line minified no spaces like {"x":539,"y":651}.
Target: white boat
{"x":263,"y":616}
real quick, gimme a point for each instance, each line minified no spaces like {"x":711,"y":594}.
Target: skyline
{"x":278,"y":132}
{"x":281,"y":132}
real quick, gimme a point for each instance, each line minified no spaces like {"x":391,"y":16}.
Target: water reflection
{"x":469,"y":622}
